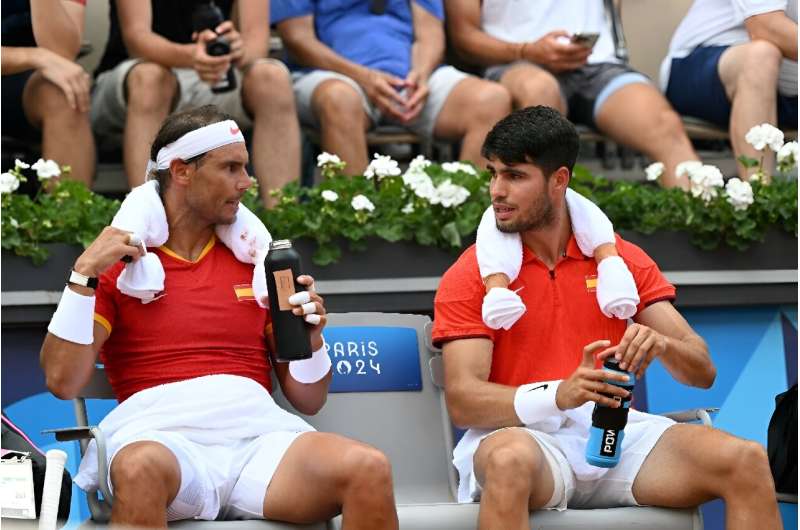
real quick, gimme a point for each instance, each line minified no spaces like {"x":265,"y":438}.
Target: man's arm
{"x":427,"y":51}
{"x":477,"y":46}
{"x":136,"y":20}
{"x":471,"y":42}
{"x":301,"y":40}
{"x":777,"y":28}
{"x":68,"y":365}
{"x":473,"y":401}
{"x":58,"y":26}
{"x":253,"y":24}
{"x":307,"y":398}
{"x":660,"y":331}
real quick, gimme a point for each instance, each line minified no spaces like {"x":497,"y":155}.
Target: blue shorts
{"x":695,"y":89}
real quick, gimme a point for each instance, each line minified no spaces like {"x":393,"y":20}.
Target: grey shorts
{"x":441,"y":82}
{"x":109,"y":104}
{"x":585,"y":89}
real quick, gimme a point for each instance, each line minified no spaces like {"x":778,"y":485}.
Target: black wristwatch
{"x":84,"y":281}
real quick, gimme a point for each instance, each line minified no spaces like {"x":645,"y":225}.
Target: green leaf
{"x":747,"y":162}
{"x":451,"y":235}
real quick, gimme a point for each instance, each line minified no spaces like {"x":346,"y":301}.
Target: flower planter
{"x":403,"y":276}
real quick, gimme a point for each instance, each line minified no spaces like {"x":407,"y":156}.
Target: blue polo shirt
{"x":382,"y":42}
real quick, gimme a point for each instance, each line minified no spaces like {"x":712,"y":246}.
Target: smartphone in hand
{"x":585,"y":39}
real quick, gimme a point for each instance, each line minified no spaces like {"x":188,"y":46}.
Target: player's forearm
{"x":777,"y":28}
{"x":20,"y":59}
{"x":315,"y":54}
{"x":67,"y":365}
{"x":479,"y":47}
{"x":306,"y":398}
{"x":155,"y":48}
{"x":54,"y":29}
{"x":427,"y":52}
{"x":689,"y":362}
{"x":481,"y":404}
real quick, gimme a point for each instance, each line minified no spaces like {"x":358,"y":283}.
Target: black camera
{"x":207,"y":15}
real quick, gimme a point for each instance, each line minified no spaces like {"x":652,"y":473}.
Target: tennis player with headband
{"x":196,"y":433}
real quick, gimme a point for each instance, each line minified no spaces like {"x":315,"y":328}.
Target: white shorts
{"x":221,"y":482}
{"x":440,"y":84}
{"x":577,"y":484}
{"x":109,"y":104}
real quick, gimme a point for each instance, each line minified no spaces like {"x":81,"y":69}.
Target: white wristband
{"x":73,"y":320}
{"x":536,"y":401}
{"x":311,"y":370}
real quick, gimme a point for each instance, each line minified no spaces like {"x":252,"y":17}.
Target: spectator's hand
{"x":235,"y":39}
{"x":554,"y":52}
{"x":588,"y":383}
{"x":310,"y":304}
{"x":69,"y":76}
{"x":210,"y":69}
{"x":383,"y":90}
{"x":416,"y":95}
{"x":108,"y":248}
{"x":637,"y":349}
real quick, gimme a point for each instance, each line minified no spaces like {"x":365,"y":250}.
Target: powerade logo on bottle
{"x":609,"y":447}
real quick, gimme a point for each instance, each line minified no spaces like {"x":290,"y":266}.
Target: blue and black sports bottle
{"x":608,"y":424}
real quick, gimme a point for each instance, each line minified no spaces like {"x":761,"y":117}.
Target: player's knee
{"x":142,"y":468}
{"x":367,"y":469}
{"x":744,"y":465}
{"x":510,"y":468}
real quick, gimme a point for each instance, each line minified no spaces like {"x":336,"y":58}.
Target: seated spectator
{"x":45,"y":93}
{"x":530,"y":47}
{"x":358,"y":64}
{"x":152,"y":67}
{"x":734,"y":64}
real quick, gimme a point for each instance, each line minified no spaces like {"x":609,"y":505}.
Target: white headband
{"x":196,"y":143}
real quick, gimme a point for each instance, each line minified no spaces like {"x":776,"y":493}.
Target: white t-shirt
{"x":721,"y":23}
{"x":528,"y":20}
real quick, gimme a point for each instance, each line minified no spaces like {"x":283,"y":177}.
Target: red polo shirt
{"x":206,"y":322}
{"x":562,"y":315}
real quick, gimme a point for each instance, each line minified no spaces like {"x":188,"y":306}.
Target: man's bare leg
{"x":151,"y":90}
{"x":267,"y":95}
{"x":323,"y":474}
{"x":692,"y":464}
{"x":515,"y":478}
{"x":470,"y":111}
{"x":66,"y":133}
{"x":749,"y":73}
{"x":637,"y":115}
{"x":146,"y":477}
{"x":343,"y":123}
{"x":532,"y":85}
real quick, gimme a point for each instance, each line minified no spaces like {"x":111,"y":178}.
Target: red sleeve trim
{"x":451,"y":335}
{"x":668,"y":298}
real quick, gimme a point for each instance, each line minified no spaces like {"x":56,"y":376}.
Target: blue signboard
{"x":374,"y":359}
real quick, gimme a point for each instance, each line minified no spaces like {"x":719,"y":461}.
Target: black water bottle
{"x":207,"y":15}
{"x":292,"y":340}
{"x":604,"y":447}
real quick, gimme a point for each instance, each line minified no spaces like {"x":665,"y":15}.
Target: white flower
{"x":329,"y":195}
{"x":414,"y":178}
{"x":8,"y":183}
{"x":683,"y":169}
{"x":408,"y":208}
{"x":765,"y":135}
{"x":14,"y":223}
{"x":450,"y":194}
{"x":19,"y":164}
{"x":360,"y":202}
{"x":454,"y":167}
{"x":419,"y":163}
{"x":740,"y":194}
{"x":382,"y":166}
{"x":704,"y":181}
{"x":788,"y":156}
{"x":46,"y":169}
{"x":654,"y":170}
{"x":426,"y":190}
{"x":324,"y":159}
